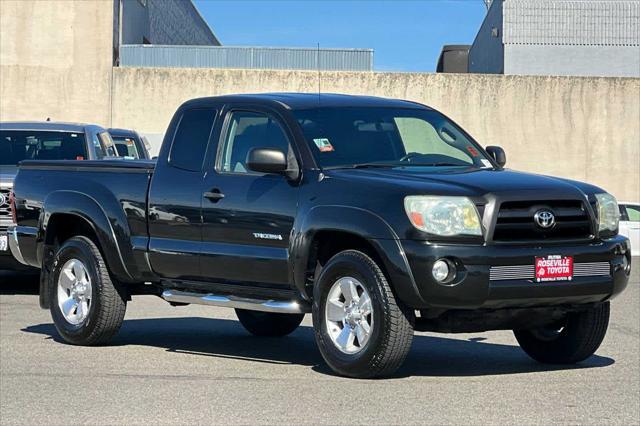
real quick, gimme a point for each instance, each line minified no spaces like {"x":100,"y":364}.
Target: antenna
{"x":318,"y":66}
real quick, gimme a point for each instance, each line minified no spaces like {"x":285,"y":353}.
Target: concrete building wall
{"x":580,"y":128}
{"x":136,"y":25}
{"x":164,"y":22}
{"x":612,"y":61}
{"x":487,"y":52}
{"x":55,"y":60}
{"x":178,"y":22}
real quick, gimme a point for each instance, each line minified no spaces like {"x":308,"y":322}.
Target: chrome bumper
{"x":12,"y":233}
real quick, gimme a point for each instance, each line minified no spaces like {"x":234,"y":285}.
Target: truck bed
{"x":114,"y":192}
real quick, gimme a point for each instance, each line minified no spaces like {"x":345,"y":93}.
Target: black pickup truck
{"x":378,"y":216}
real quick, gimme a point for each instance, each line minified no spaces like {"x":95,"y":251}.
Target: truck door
{"x":248,"y":216}
{"x":175,"y":198}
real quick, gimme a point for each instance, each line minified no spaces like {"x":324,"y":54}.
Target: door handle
{"x":214,"y":195}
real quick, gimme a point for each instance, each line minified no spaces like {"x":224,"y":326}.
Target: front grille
{"x":591,"y":269}
{"x":528,"y":272}
{"x":5,"y":211}
{"x":515,"y":221}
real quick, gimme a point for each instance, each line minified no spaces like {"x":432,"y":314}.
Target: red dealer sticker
{"x":554,"y":268}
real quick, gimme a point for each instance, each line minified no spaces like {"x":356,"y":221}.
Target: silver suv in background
{"x":42,"y":141}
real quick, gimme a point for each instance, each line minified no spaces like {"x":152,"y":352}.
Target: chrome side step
{"x":229,"y":301}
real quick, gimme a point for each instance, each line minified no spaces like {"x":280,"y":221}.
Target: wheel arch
{"x":327,"y":230}
{"x":67,"y":213}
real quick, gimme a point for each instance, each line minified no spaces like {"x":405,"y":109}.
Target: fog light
{"x":441,"y":270}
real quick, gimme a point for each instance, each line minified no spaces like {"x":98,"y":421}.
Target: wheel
{"x":360,"y":328}
{"x":268,"y":324}
{"x":572,"y":340}
{"x":87,"y":307}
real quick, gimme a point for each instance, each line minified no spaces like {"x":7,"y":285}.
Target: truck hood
{"x":7,"y":175}
{"x":467,"y":182}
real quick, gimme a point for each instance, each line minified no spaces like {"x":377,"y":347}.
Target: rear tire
{"x":269,"y":324}
{"x":569,"y":342}
{"x":80,"y":283}
{"x":362,"y":331}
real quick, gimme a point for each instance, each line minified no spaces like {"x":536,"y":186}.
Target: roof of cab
{"x":45,"y":125}
{"x":122,"y":132}
{"x":297,"y":101}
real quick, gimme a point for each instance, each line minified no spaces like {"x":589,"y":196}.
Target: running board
{"x":228,"y":301}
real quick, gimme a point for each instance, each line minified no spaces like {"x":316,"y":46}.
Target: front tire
{"x":269,"y":324}
{"x":87,"y":307}
{"x":360,"y":328}
{"x":573,"y":340}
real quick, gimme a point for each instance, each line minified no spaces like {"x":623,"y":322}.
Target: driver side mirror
{"x":497,"y":154}
{"x":267,"y":160}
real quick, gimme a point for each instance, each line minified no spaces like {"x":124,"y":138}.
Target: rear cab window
{"x":19,"y":145}
{"x":191,"y":139}
{"x":126,"y":147}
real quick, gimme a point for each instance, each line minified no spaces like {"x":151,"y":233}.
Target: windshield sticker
{"x":486,"y":163}
{"x":74,"y":135}
{"x":323,"y":145}
{"x":473,"y":151}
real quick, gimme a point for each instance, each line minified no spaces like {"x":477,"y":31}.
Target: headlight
{"x":608,"y":213}
{"x":445,"y":216}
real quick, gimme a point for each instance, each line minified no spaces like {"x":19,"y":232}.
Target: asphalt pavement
{"x":196,"y":364}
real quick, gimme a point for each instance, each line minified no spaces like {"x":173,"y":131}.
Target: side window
{"x":247,"y":130}
{"x":634,"y":213}
{"x":190,"y":142}
{"x":107,"y":142}
{"x":97,"y":146}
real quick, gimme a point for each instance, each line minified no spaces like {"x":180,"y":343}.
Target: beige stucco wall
{"x":581,"y":128}
{"x":55,"y":60}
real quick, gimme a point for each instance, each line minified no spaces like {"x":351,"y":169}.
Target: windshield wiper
{"x":363,"y":166}
{"x":392,"y":165}
{"x":373,"y":165}
{"x":440,"y":165}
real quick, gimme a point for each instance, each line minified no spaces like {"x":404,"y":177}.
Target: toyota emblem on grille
{"x":544,"y":219}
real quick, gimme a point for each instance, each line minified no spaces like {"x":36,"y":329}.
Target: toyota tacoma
{"x":379,"y":217}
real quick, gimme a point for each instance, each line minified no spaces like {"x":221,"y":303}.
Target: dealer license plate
{"x":554,"y":268}
{"x":4,"y":243}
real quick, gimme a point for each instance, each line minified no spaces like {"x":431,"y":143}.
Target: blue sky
{"x":406,"y":35}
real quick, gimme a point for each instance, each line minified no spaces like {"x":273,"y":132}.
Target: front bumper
{"x":474,"y":288}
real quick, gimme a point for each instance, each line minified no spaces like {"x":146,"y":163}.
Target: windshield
{"x":126,"y":147}
{"x":18,"y":145}
{"x":361,"y":137}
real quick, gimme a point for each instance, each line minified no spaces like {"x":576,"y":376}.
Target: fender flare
{"x":112,"y":230}
{"x":364,"y":224}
